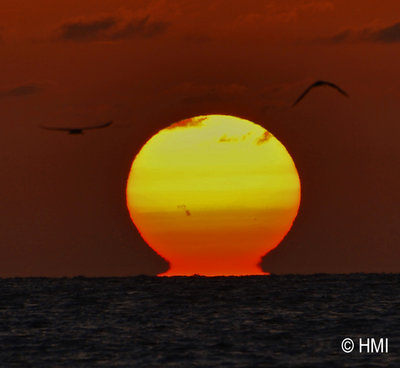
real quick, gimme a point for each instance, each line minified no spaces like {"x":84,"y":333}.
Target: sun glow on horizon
{"x":213,"y":194}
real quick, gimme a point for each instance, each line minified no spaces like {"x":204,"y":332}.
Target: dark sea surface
{"x":254,"y":321}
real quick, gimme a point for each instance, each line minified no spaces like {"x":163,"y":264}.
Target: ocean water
{"x":254,"y":321}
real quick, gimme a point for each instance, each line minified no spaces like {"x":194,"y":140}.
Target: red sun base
{"x":207,"y":269}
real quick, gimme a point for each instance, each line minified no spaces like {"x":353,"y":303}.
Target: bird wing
{"x":97,"y":126}
{"x":53,"y":128}
{"x":303,"y":94}
{"x":333,"y":85}
{"x":319,"y":84}
{"x":78,"y":128}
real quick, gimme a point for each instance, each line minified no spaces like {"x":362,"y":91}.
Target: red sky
{"x":147,"y":64}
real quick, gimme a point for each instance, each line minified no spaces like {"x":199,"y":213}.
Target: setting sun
{"x":213,"y":194}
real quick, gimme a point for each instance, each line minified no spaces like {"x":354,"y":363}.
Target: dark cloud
{"x":140,"y":27}
{"x":86,"y":30}
{"x":389,"y":34}
{"x":345,"y":36}
{"x":340,"y":37}
{"x":22,"y":90}
{"x":111,"y":28}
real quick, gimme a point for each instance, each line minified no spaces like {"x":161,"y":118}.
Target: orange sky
{"x":147,"y":64}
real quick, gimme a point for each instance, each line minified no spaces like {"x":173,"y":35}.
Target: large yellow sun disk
{"x":212,"y":194}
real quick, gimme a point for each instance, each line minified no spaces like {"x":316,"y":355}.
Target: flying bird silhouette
{"x":78,"y":130}
{"x":320,"y":83}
